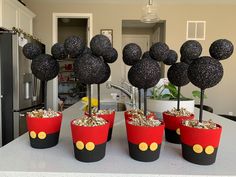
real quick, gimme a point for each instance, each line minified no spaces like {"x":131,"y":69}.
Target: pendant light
{"x":149,"y":13}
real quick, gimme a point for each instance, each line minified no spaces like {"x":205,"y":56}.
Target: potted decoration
{"x":43,"y":126}
{"x":102,"y":47}
{"x":177,"y":75}
{"x":200,"y":139}
{"x":90,"y":132}
{"x":132,"y":54}
{"x":144,"y":133}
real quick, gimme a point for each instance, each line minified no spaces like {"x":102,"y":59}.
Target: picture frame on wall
{"x":108,"y":33}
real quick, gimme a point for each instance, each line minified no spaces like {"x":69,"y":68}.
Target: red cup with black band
{"x":44,"y":132}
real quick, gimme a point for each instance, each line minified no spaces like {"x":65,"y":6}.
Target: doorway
{"x":65,"y":25}
{"x":143,"y":34}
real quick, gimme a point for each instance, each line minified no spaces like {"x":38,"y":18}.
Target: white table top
{"x":19,"y":159}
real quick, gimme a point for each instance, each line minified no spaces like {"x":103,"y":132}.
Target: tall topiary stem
{"x":145,"y":102}
{"x":201,"y":105}
{"x":178,"y":97}
{"x":89,"y":100}
{"x":98,"y":93}
{"x":139,"y":98}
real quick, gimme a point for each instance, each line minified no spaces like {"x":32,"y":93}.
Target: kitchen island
{"x":18,"y":159}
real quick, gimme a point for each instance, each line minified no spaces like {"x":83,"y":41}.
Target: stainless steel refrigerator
{"x":20,"y":91}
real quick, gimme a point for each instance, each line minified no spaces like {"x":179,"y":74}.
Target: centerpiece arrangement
{"x":144,"y":133}
{"x":132,"y":54}
{"x":90,"y":133}
{"x":101,"y":47}
{"x":43,"y":125}
{"x":200,"y":139}
{"x":177,"y":75}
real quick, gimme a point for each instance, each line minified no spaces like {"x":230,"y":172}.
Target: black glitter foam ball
{"x":90,"y":69}
{"x":144,"y":74}
{"x":87,"y":50}
{"x":186,"y":60}
{"x":44,"y":67}
{"x":32,"y":50}
{"x":205,"y":72}
{"x":105,"y":74}
{"x":131,"y":54}
{"x":74,"y":46}
{"x":178,"y":74}
{"x":171,"y":58}
{"x":58,"y":51}
{"x":221,"y":49}
{"x":146,"y":55}
{"x":159,"y":51}
{"x":191,"y":49}
{"x":110,"y":55}
{"x":99,"y":44}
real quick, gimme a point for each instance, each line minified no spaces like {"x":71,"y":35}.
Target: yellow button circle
{"x":197,"y":148}
{"x":209,"y":150}
{"x":143,"y":146}
{"x":90,"y":146}
{"x":153,"y":146}
{"x":80,"y":145}
{"x":33,"y":134}
{"x":178,"y":131}
{"x":42,"y":135}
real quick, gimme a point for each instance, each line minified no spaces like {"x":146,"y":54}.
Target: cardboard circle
{"x":47,"y":125}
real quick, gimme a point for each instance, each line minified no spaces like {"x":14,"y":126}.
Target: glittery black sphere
{"x":87,"y":50}
{"x":186,"y":60}
{"x":58,"y":51}
{"x":99,"y":43}
{"x":191,"y":49}
{"x":171,"y":58}
{"x":74,"y":46}
{"x":110,"y":55}
{"x":178,"y":74}
{"x":32,"y":50}
{"x":146,"y":55}
{"x":105,"y":74}
{"x":221,"y":49}
{"x":144,"y":74}
{"x":90,"y":69}
{"x":159,"y":51}
{"x":131,"y":54}
{"x":44,"y":67}
{"x":205,"y":72}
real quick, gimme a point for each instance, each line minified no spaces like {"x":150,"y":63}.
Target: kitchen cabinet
{"x":15,"y":14}
{"x":70,"y":90}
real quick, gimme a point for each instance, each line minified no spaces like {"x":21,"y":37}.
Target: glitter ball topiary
{"x":178,"y":74}
{"x":32,"y":50}
{"x":74,"y":46}
{"x":58,"y":51}
{"x":159,"y":51}
{"x":99,"y":44}
{"x":110,"y":55}
{"x":221,"y":49}
{"x":131,"y":54}
{"x":171,"y":58}
{"x":191,"y":49}
{"x":205,"y":72}
{"x":44,"y":67}
{"x":90,"y":69}
{"x":105,"y":74}
{"x":144,"y":74}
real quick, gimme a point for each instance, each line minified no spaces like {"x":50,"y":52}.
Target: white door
{"x":142,"y":40}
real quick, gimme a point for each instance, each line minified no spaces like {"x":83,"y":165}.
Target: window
{"x":196,"y":30}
